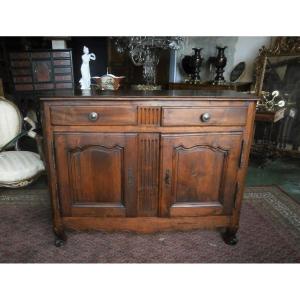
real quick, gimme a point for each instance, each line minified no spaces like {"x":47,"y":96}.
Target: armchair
{"x":17,"y":168}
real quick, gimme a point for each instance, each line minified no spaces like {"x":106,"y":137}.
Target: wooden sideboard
{"x":148,"y":161}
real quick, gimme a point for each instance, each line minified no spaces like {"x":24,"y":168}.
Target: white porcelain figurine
{"x":85,"y":81}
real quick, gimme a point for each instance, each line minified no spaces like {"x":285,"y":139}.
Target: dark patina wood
{"x":147,"y":161}
{"x":42,"y":70}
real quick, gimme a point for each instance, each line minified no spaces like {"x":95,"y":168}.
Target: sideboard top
{"x":148,"y":95}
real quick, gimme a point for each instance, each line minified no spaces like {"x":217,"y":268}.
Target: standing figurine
{"x":85,"y":80}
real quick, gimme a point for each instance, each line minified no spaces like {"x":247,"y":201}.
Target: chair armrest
{"x":13,"y":141}
{"x":39,"y":139}
{"x":31,"y":133}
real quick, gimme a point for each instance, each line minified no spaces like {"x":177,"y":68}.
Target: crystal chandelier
{"x":144,"y":51}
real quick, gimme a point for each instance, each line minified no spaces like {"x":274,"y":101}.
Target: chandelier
{"x":144,"y":51}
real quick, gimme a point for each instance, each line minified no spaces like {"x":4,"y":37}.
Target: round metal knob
{"x":205,"y":117}
{"x":93,"y":116}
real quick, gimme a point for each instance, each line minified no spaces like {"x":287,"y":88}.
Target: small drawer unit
{"x":41,"y":68}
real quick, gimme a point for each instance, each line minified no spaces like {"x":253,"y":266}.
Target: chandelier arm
{"x":144,"y":51}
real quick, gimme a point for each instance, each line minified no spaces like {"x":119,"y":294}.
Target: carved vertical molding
{"x":74,"y":175}
{"x":148,"y":174}
{"x":149,"y":115}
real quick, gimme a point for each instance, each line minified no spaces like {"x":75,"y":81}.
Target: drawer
{"x":93,"y":115}
{"x":61,"y":54}
{"x":44,"y":86}
{"x":23,"y":87}
{"x":64,"y":85}
{"x":19,"y":55}
{"x":16,"y":72}
{"x":62,"y":62}
{"x":62,"y":70}
{"x":20,"y":63}
{"x":204,"y":116}
{"x":40,"y":55}
{"x":67,"y":77}
{"x":22,"y":79}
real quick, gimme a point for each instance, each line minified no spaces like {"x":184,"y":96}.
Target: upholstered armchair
{"x":17,"y":168}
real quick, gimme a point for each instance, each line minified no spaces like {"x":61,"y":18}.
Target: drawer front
{"x":20,"y":63}
{"x":40,"y":55}
{"x":64,"y":85}
{"x":62,"y":62}
{"x":204,"y":116}
{"x":24,"y":87}
{"x":16,"y":72}
{"x":62,"y":70}
{"x":44,"y":86}
{"x":93,"y":115}
{"x":63,"y":77}
{"x":22,"y":79}
{"x":19,"y":55}
{"x":62,"y":54}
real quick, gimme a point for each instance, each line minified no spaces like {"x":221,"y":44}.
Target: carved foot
{"x":229,"y":237}
{"x":60,"y":236}
{"x":59,"y":242}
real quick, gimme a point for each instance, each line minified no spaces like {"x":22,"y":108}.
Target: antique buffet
{"x":147,"y":161}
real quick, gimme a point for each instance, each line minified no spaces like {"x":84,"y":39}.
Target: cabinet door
{"x":42,"y":71}
{"x":96,"y":174}
{"x":198,"y":174}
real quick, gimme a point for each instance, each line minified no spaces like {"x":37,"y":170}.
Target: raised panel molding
{"x":148,"y":162}
{"x":194,"y":173}
{"x":149,"y":115}
{"x":90,"y":156}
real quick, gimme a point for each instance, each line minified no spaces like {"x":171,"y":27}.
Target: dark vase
{"x":188,"y":66}
{"x":197,"y":61}
{"x":220,"y":64}
{"x":191,"y":65}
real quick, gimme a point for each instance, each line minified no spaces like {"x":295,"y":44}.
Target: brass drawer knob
{"x":205,"y":117}
{"x":93,"y":116}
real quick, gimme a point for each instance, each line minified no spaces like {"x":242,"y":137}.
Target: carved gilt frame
{"x":282,"y":46}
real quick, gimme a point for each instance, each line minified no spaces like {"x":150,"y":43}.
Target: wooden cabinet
{"x":42,"y":70}
{"x":148,"y":162}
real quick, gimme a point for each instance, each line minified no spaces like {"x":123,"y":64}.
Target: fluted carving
{"x":148,"y":174}
{"x":149,"y":115}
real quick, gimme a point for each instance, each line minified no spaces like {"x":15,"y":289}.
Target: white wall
{"x":239,"y":49}
{"x":246,"y":49}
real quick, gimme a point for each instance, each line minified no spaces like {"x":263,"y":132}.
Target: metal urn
{"x":220,"y":64}
{"x":192,"y":66}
